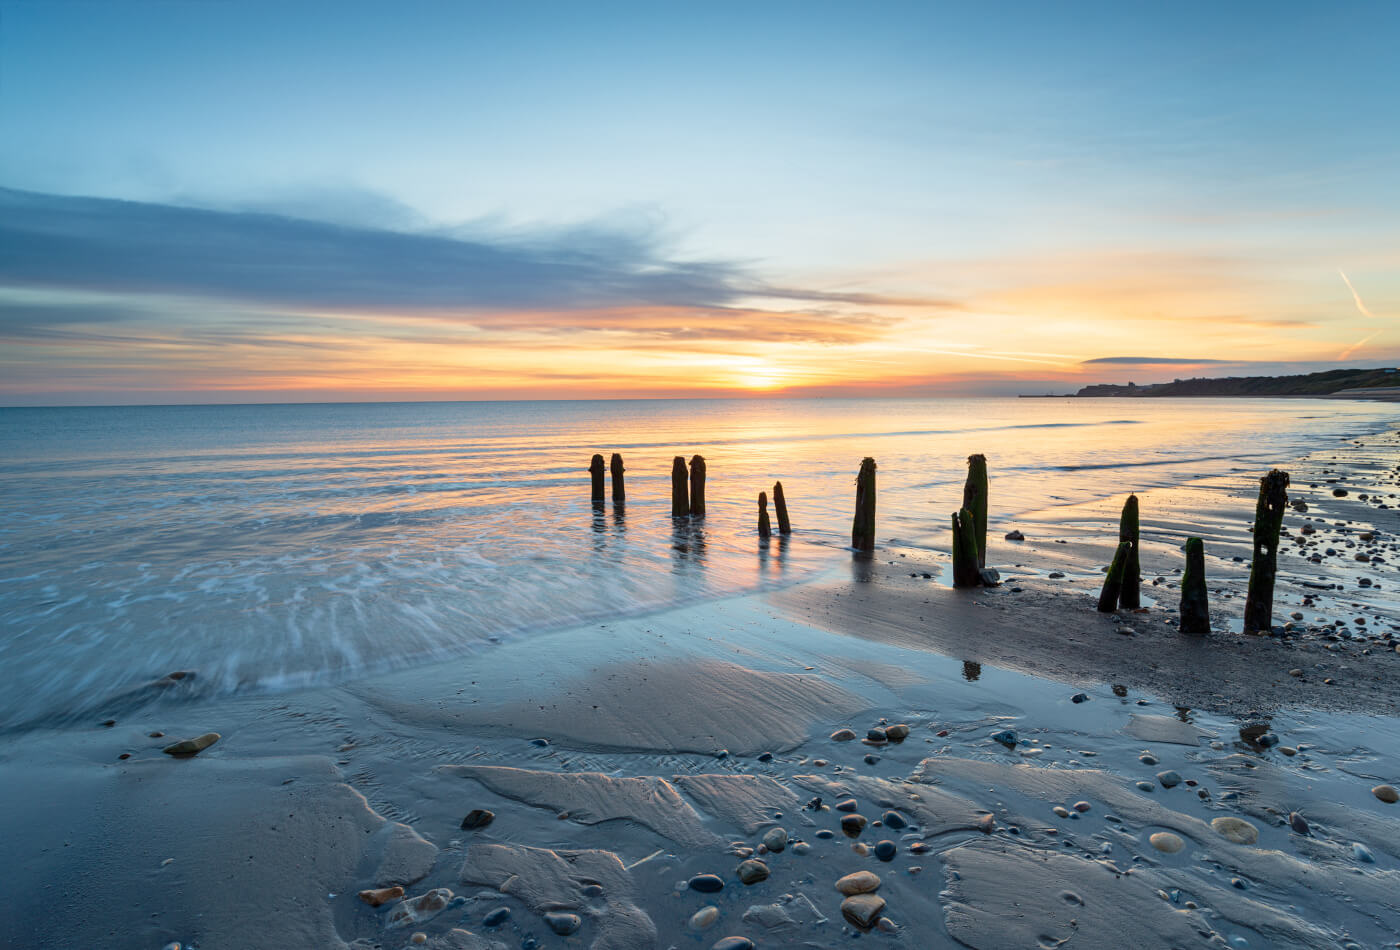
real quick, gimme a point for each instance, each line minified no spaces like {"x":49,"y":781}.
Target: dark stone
{"x":496,"y":917}
{"x":893,"y":819}
{"x":477,"y":818}
{"x":886,"y":850}
{"x":707,"y":883}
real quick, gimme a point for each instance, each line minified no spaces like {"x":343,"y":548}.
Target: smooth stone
{"x":1386,"y":793}
{"x":381,"y":895}
{"x":862,"y":909}
{"x":563,"y":923}
{"x":752,"y":871}
{"x":801,"y":847}
{"x":1015,"y":536}
{"x":1145,"y":786}
{"x":1060,"y":811}
{"x":1362,"y":853}
{"x":496,"y":917}
{"x":1006,"y":737}
{"x":876,"y":735}
{"x":733,"y":943}
{"x":825,"y":833}
{"x":893,"y":819}
{"x":1251,"y":731}
{"x":704,"y":918}
{"x":1079,"y":698}
{"x":843,"y":735}
{"x":1235,"y":829}
{"x":849,"y":804}
{"x":852,"y":825}
{"x":987,"y":824}
{"x":1298,"y":823}
{"x":897,"y":733}
{"x":707,"y":883}
{"x":1082,"y":806}
{"x":1169,"y":779}
{"x":886,"y":850}
{"x":192,"y":746}
{"x":860,"y":882}
{"x":775,"y":839}
{"x":477,"y":818}
{"x":1166,"y":842}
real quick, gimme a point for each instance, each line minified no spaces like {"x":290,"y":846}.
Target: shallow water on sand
{"x":269,"y":546}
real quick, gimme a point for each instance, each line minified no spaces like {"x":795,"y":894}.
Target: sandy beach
{"x":871,"y":755}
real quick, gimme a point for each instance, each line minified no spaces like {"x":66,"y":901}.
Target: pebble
{"x":1015,"y":536}
{"x":849,"y":804}
{"x":563,"y":923}
{"x":885,"y":925}
{"x":871,"y":758}
{"x":419,"y":937}
{"x":192,"y":746}
{"x":1125,"y":631}
{"x":862,"y":909}
{"x":1235,"y":829}
{"x":1082,"y":806}
{"x":893,"y":819}
{"x":987,"y":824}
{"x":1147,"y":759}
{"x":752,"y":871}
{"x":1169,"y":779}
{"x":775,"y":839}
{"x":496,"y":917}
{"x":1006,"y":737}
{"x":860,"y":882}
{"x":824,"y":834}
{"x":1386,"y":793}
{"x":1166,"y":842}
{"x":1079,"y":698}
{"x":886,"y":850}
{"x":704,"y":918}
{"x":897,"y":733}
{"x":477,"y":818}
{"x":733,"y":943}
{"x":707,"y":883}
{"x":852,"y":825}
{"x":1362,"y":853}
{"x":418,"y":909}
{"x":876,"y":735}
{"x":382,"y":895}
{"x":843,"y":735}
{"x":801,"y":847}
{"x":1298,"y":823}
{"x":1061,"y":811}
{"x":1145,"y":786}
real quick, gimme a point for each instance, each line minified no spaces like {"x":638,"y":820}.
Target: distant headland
{"x":1380,"y":383}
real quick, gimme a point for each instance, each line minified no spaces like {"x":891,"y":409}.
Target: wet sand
{"x":623,"y":761}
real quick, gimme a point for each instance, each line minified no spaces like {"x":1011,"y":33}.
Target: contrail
{"x":1355,"y":296}
{"x":1346,"y":354}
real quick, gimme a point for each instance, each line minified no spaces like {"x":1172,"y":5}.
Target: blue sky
{"x":1071,"y":177}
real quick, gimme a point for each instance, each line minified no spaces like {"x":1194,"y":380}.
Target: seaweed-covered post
{"x":1113,"y":583}
{"x":780,"y":508}
{"x":697,"y":486}
{"x":975,"y":501}
{"x":966,"y":573}
{"x":619,"y":490}
{"x":1195,"y":607}
{"x":1129,"y":596}
{"x":595,"y":469}
{"x":764,"y":528}
{"x":680,"y":499}
{"x":863,"y":525}
{"x":1268,"y":522}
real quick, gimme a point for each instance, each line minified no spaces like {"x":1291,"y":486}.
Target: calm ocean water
{"x":268,"y":546}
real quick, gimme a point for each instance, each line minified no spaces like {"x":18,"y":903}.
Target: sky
{"x":235,"y":201}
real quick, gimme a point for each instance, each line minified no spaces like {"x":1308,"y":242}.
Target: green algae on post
{"x":966,"y":573}
{"x":697,"y":486}
{"x":595,"y":469}
{"x":863,"y":524}
{"x":975,"y":501}
{"x":1268,"y":522}
{"x":1128,"y":593}
{"x":619,"y":490}
{"x":680,"y":497}
{"x":1113,"y":583}
{"x":780,"y":508}
{"x":1195,"y":606}
{"x":764,"y":528}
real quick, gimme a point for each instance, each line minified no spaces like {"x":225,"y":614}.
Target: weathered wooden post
{"x":697,"y":486}
{"x":1129,"y":595}
{"x":764,"y":528}
{"x":1113,"y":583}
{"x":619,"y":491}
{"x":595,"y":468}
{"x":680,"y":499}
{"x":863,"y":525}
{"x":966,"y":573}
{"x":1195,"y":607}
{"x":1268,"y":522}
{"x":975,"y":501}
{"x":780,"y":507}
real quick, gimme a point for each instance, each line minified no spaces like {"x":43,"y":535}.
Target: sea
{"x":267,"y":547}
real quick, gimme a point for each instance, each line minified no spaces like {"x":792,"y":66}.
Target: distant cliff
{"x":1329,"y":383}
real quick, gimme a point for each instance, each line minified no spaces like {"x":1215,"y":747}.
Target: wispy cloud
{"x":1347,"y":353}
{"x":1360,"y":305}
{"x":1148,"y":361}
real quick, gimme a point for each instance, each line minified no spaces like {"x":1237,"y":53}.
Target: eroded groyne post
{"x":1113,"y":583}
{"x":619,"y":491}
{"x":595,"y":469}
{"x":680,"y":498}
{"x":863,"y":525}
{"x":780,"y":508}
{"x":1268,"y":522}
{"x":1129,"y":595}
{"x":697,"y":486}
{"x":966,"y":573}
{"x":1195,"y":608}
{"x":975,"y":501}
{"x":764,"y":528}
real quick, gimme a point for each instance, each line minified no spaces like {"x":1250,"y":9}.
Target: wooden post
{"x":697,"y":486}
{"x":764,"y":529}
{"x":1268,"y":522}
{"x":619,"y":491}
{"x":780,"y":507}
{"x":1129,"y":595}
{"x":595,"y":468}
{"x":1113,"y":583}
{"x":966,"y":573}
{"x":1195,"y":607}
{"x":975,"y":501}
{"x":863,"y":525}
{"x":680,"y":500}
